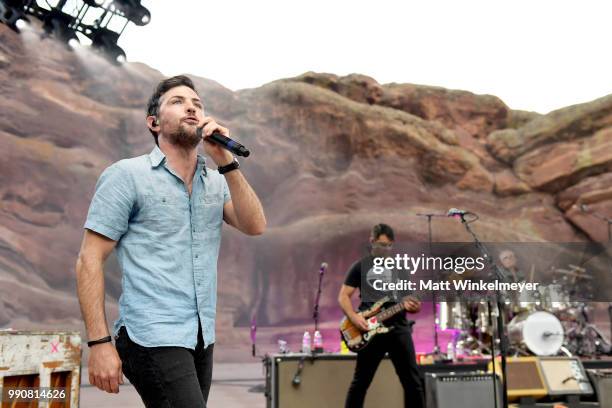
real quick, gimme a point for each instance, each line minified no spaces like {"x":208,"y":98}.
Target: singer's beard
{"x":185,"y":137}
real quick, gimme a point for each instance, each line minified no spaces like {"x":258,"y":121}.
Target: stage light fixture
{"x":11,"y":12}
{"x":134,"y":11}
{"x":105,"y":41}
{"x":73,"y":43}
{"x":59,"y":24}
{"x":21,"y":24}
{"x":94,"y":3}
{"x":90,"y":19}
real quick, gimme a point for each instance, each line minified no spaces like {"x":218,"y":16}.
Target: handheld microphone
{"x":226,"y":143}
{"x":457,"y":213}
{"x":323,"y":268}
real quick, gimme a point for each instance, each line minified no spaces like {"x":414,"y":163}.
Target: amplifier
{"x":324,"y":382}
{"x":525,"y":378}
{"x":464,"y":390}
{"x":602,"y":381}
{"x":565,"y":376}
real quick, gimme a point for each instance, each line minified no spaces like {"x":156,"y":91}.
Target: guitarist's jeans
{"x":398,"y":343}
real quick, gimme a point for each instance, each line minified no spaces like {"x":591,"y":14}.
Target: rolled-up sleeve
{"x":111,"y":205}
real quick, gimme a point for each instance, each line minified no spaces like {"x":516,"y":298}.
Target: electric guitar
{"x":356,"y":339}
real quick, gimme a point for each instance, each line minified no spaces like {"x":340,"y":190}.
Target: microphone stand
{"x":609,"y":222}
{"x":265,"y":360}
{"x":437,"y":355}
{"x":604,"y":219}
{"x":503,"y":346}
{"x":253,"y":335}
{"x":297,"y":377}
{"x":315,"y":313}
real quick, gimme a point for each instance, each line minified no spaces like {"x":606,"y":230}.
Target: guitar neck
{"x":392,"y":311}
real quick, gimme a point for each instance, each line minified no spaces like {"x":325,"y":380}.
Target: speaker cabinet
{"x":324,"y":382}
{"x":525,"y":378}
{"x":602,"y":381}
{"x":461,"y":390}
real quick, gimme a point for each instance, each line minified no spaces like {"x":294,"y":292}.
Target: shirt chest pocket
{"x":209,"y":213}
{"x":164,"y":212}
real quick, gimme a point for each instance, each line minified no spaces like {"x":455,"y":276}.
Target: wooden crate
{"x":41,"y":359}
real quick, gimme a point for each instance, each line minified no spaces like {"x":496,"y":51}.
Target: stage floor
{"x":238,"y":385}
{"x":230,"y":388}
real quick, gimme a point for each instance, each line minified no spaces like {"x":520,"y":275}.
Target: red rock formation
{"x":331,"y":156}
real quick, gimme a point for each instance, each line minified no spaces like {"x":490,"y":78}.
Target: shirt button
{"x":194,"y":230}
{"x":197,"y":256}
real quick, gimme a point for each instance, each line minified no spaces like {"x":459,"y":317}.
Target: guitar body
{"x":356,"y":339}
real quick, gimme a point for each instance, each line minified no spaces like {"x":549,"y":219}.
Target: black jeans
{"x":398,"y":343}
{"x":167,"y":377}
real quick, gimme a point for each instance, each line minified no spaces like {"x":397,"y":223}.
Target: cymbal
{"x":576,"y":274}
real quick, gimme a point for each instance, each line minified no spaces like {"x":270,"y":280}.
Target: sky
{"x":537,"y":55}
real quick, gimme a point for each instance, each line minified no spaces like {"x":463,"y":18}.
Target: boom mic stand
{"x":584,"y":208}
{"x":503,"y":346}
{"x":297,"y":377}
{"x":602,"y":218}
{"x":254,"y":336}
{"x":315,"y":313}
{"x":264,"y":359}
{"x":437,"y":355}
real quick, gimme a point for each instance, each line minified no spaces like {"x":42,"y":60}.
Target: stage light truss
{"x":101,"y":21}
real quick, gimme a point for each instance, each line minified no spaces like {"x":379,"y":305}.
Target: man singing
{"x":397,"y":342}
{"x":163,"y":213}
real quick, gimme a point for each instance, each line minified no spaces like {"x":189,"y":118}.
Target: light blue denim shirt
{"x":167,"y":247}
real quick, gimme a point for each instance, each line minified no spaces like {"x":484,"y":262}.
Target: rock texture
{"x":331,"y":156}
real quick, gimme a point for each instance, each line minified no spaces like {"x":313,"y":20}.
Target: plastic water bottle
{"x":306,"y":343}
{"x":459,"y":351}
{"x":317,"y":342}
{"x":450,"y":351}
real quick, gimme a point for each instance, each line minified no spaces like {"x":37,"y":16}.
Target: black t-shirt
{"x":517,"y":276}
{"x":362,"y":271}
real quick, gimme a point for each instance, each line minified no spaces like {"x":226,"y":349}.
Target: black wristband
{"x":99,"y":341}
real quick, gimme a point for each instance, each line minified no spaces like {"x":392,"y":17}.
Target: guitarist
{"x":397,"y":342}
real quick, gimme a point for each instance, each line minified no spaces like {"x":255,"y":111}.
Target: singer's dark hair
{"x":383,"y":229}
{"x":163,"y":87}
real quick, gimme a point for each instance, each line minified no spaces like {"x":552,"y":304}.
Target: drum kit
{"x":543,"y":323}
